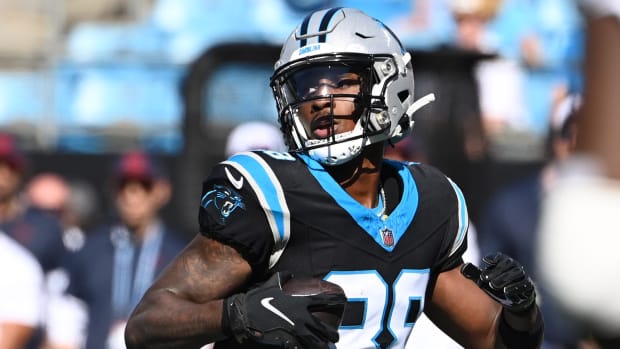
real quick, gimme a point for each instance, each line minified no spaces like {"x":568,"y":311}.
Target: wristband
{"x":225,"y":324}
{"x":230,"y":327}
{"x":514,"y":339}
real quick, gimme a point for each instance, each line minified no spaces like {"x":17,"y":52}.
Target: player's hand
{"x":267,"y":315}
{"x":505,"y":280}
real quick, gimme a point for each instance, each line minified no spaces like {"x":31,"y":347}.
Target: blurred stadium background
{"x":81,"y":81}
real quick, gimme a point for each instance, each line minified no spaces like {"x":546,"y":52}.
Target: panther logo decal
{"x":224,"y":199}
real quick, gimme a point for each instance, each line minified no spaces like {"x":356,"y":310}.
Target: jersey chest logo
{"x":388,"y":237}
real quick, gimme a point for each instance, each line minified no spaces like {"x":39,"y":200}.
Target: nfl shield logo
{"x":388,"y":237}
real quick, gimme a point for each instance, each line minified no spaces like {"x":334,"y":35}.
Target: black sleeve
{"x":449,"y":210}
{"x":234,"y":216}
{"x":455,"y":242}
{"x":452,"y":254}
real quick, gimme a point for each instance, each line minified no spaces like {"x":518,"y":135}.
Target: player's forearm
{"x":164,"y":320}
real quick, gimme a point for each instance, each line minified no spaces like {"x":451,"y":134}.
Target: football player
{"x":390,"y":233}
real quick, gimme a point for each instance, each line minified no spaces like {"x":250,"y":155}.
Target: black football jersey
{"x":284,"y":212}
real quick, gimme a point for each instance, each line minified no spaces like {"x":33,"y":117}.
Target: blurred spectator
{"x":499,"y":79}
{"x":578,"y":235}
{"x":120,"y":259}
{"x":21,"y":294}
{"x":544,"y":37}
{"x":472,"y":18}
{"x":499,"y":110}
{"x":452,"y":131}
{"x":511,"y":218}
{"x":538,"y":51}
{"x":515,"y":91}
{"x":37,"y":230}
{"x":74,"y":203}
{"x":254,"y":135}
{"x":48,"y":191}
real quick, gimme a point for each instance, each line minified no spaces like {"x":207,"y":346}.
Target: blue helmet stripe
{"x":304,"y":30}
{"x":325,"y":22}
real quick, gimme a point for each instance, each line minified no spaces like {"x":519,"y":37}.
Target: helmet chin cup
{"x":337,"y":154}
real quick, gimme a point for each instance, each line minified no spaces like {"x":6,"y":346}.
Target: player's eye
{"x":339,"y":86}
{"x":345,"y":84}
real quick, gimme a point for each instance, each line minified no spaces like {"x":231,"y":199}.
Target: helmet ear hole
{"x":403,"y":95}
{"x":379,"y":121}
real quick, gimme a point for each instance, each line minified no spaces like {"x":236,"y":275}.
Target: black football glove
{"x":505,"y":280}
{"x":267,"y":315}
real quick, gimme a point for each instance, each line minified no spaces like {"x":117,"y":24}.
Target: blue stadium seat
{"x":22,"y":96}
{"x":104,"y":99}
{"x":234,"y":90}
{"x":103,"y":42}
{"x":195,"y":25}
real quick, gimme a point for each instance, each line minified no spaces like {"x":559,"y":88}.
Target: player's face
{"x":327,"y":92}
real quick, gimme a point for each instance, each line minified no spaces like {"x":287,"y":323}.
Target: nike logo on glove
{"x":237,"y":183}
{"x":266,"y":302}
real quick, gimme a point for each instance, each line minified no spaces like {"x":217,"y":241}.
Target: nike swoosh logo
{"x":266,"y":302}
{"x":237,"y":183}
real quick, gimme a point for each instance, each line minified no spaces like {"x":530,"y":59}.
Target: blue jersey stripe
{"x":463,"y":218}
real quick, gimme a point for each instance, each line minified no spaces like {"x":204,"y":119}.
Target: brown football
{"x":329,"y":313}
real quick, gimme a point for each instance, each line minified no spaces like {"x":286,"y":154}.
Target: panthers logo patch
{"x":224,"y":200}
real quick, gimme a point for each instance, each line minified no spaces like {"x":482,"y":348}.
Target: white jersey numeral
{"x":279,"y":155}
{"x":369,"y":287}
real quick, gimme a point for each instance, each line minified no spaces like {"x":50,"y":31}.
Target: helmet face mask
{"x":342,"y":85}
{"x":342,"y":57}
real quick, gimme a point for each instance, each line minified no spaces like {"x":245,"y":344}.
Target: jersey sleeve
{"x":444,"y":212}
{"x":241,"y":207}
{"x":455,"y":238}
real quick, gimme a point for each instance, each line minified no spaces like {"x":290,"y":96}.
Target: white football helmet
{"x":337,"y":41}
